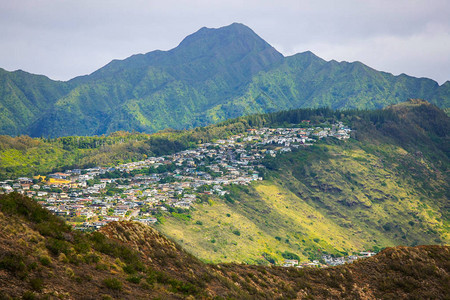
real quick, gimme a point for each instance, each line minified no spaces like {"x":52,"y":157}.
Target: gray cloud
{"x":67,"y":38}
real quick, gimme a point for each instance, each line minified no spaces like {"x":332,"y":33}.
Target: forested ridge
{"x":211,"y":76}
{"x":25,"y":156}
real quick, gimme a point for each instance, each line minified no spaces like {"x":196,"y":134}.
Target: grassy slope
{"x":41,"y":258}
{"x":388,"y":187}
{"x":350,"y":205}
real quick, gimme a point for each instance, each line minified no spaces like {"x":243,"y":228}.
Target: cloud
{"x":63,"y":39}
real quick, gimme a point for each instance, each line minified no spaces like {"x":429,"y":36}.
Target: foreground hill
{"x":41,"y":257}
{"x":211,"y":76}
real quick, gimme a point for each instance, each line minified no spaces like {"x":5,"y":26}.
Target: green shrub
{"x":269,"y":258}
{"x":237,"y":232}
{"x":12,"y":262}
{"x":289,"y":255}
{"x":184,"y":287}
{"x":134,"y":279}
{"x":36,"y":284}
{"x":56,"y":246}
{"x":229,"y":199}
{"x":70,"y":273}
{"x":28,"y":295}
{"x":45,"y":260}
{"x":129,"y":269}
{"x":91,"y":258}
{"x":113,"y":283}
{"x":32,"y":266}
{"x":81,"y":247}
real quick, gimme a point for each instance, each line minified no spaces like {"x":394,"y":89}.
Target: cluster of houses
{"x":328,"y":260}
{"x":93,"y":197}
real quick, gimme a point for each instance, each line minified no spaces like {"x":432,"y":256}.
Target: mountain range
{"x":212,"y":75}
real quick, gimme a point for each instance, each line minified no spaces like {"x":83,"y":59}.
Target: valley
{"x":267,"y":193}
{"x":91,"y":198}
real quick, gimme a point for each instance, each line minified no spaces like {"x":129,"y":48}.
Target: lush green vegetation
{"x":213,"y":75}
{"x":387,"y":186}
{"x":25,"y":156}
{"x":24,"y":98}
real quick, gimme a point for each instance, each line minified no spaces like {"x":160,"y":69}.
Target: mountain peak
{"x":234,"y":28}
{"x":232,"y":44}
{"x":234,"y":39}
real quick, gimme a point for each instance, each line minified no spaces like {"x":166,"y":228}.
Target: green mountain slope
{"x":304,"y":80}
{"x":25,"y":97}
{"x":213,"y":75}
{"x":387,"y":186}
{"x":162,"y":89}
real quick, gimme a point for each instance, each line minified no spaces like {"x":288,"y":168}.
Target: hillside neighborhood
{"x":90,"y":198}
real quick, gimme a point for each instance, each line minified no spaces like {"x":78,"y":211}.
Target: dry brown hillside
{"x":42,"y":258}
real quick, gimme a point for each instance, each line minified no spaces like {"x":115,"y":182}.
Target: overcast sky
{"x":66,"y":38}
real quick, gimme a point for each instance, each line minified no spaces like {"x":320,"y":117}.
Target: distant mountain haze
{"x":212,"y":75}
